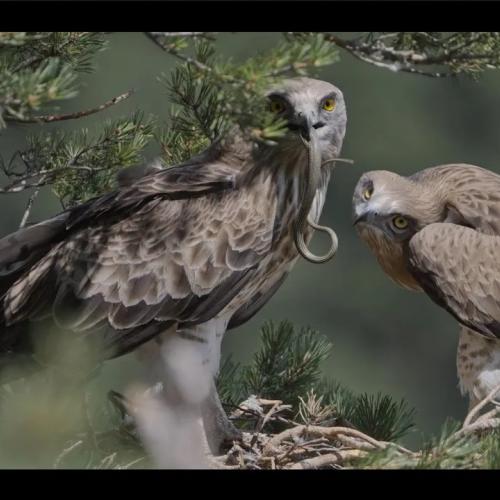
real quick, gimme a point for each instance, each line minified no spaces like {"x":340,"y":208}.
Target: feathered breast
{"x":390,"y":256}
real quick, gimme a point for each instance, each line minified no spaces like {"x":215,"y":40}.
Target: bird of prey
{"x":180,"y":253}
{"x":438,"y":231}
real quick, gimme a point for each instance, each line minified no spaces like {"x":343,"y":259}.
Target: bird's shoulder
{"x":471,"y":194}
{"x":149,"y":184}
{"x":455,"y":175}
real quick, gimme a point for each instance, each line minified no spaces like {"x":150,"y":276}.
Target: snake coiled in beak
{"x":312,"y":183}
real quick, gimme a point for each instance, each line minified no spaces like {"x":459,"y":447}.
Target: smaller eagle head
{"x":387,"y":203}
{"x":387,"y":211}
{"x":311,"y":105}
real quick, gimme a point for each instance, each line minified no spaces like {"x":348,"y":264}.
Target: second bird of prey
{"x":438,"y":231}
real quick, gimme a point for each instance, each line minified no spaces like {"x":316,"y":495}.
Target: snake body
{"x":311,"y":185}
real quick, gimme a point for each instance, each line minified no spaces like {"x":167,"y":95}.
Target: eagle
{"x":176,"y":256}
{"x":438,"y":231}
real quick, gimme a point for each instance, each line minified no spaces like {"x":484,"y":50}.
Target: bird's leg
{"x":218,"y":428}
{"x":186,"y":360}
{"x":87,"y":419}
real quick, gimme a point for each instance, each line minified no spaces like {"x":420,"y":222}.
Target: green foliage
{"x":339,"y":397}
{"x":377,"y":415}
{"x":287,"y":367}
{"x":79,"y":165}
{"x":449,"y":452}
{"x":53,"y":419}
{"x":27,"y":90}
{"x":435,"y":54}
{"x":461,"y":52}
{"x":492,"y":450}
{"x":288,"y":363}
{"x":229,"y":384}
{"x":76,"y":49}
{"x":40,"y":68}
{"x":381,"y":417}
{"x":48,"y":423}
{"x":212,"y":95}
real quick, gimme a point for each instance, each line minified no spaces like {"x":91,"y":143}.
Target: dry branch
{"x":329,"y":459}
{"x":71,"y":116}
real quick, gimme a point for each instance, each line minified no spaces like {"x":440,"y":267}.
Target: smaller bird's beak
{"x":366,"y":217}
{"x":359,"y":218}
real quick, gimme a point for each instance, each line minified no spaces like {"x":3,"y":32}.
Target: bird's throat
{"x":390,"y":256}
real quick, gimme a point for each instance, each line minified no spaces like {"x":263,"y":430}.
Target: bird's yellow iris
{"x":400,"y":222}
{"x":329,"y":104}
{"x":367,"y":193}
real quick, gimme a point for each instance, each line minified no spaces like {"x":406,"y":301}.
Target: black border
{"x":244,"y":15}
{"x":265,"y":15}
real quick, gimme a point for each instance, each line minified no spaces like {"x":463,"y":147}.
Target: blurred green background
{"x":385,"y":338}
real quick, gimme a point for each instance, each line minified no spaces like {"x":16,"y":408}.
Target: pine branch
{"x":72,"y":116}
{"x":287,"y":364}
{"x":76,"y":49}
{"x":412,"y":52}
{"x":381,"y":417}
{"x":37,"y":69}
{"x":212,"y":95}
{"x":174,"y":42}
{"x":29,"y":206}
{"x":24,"y":92}
{"x":79,"y":166}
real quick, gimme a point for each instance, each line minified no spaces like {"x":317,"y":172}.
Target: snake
{"x":312,"y":182}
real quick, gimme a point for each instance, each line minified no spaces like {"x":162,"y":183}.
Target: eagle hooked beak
{"x":366,"y":217}
{"x":303,"y":125}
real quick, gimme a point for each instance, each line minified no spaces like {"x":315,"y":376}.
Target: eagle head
{"x":388,"y":210}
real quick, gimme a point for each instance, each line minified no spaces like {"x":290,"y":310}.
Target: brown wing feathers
{"x":457,"y":261}
{"x":166,"y":248}
{"x":459,"y":269}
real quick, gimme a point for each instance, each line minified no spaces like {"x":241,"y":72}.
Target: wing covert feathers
{"x":176,"y":257}
{"x":459,"y":268}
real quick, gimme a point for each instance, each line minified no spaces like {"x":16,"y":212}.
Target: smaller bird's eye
{"x":367,"y":193}
{"x":400,"y":222}
{"x":329,"y":104}
{"x":276,"y":106}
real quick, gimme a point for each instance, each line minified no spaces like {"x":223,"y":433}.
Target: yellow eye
{"x":276,"y":106}
{"x":367,"y":193}
{"x":329,"y":104}
{"x":400,"y":222}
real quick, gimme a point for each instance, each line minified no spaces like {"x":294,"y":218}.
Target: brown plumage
{"x":200,"y":247}
{"x":438,"y":231}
